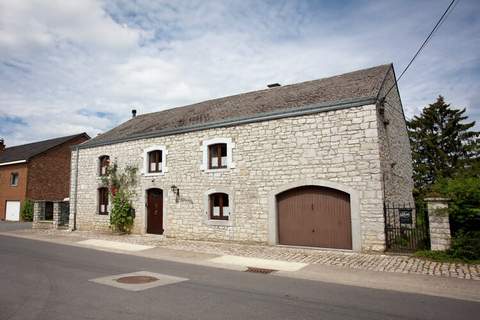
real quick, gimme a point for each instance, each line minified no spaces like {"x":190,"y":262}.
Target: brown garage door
{"x":314,"y":216}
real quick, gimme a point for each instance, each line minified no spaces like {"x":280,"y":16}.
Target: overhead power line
{"x":425,"y":42}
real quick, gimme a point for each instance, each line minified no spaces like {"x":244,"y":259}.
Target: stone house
{"x":35,"y":171}
{"x":308,"y":164}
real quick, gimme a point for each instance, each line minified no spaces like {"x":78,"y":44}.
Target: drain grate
{"x":136,"y":279}
{"x":259,"y":270}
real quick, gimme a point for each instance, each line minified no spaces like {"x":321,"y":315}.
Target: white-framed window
{"x":14,"y":177}
{"x":219,"y":207}
{"x":155,"y":161}
{"x":103,"y":164}
{"x":102,"y":201}
{"x":217,"y":154}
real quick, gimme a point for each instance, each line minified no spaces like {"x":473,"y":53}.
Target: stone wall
{"x":339,"y":146}
{"x":395,"y":152}
{"x":439,"y":223}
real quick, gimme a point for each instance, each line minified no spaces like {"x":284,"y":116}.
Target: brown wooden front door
{"x":155,"y":211}
{"x":314,"y":216}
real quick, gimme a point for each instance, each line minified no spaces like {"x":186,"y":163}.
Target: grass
{"x":444,"y":256}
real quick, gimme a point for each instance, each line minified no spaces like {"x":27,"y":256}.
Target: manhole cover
{"x":259,"y":270}
{"x":136,"y":279}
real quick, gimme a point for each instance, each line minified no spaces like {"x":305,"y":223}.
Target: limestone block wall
{"x":439,"y":224}
{"x":340,"y":146}
{"x":395,"y":152}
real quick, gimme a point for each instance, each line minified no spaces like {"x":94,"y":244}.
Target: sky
{"x":80,"y":66}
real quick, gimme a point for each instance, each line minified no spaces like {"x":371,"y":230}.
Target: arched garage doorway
{"x":314,"y":216}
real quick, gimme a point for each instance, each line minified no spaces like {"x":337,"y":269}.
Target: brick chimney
{"x":2,"y":145}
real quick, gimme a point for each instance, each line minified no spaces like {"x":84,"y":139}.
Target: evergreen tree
{"x":443,"y":146}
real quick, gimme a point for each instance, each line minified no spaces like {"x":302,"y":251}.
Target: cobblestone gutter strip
{"x":363,"y":261}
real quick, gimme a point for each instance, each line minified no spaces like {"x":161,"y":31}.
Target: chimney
{"x":2,"y":145}
{"x":273,"y":85}
{"x":134,"y":113}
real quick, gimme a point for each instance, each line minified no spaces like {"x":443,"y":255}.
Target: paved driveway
{"x":10,"y":226}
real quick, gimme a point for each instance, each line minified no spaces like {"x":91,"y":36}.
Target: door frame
{"x":164,"y":209}
{"x":354,"y":209}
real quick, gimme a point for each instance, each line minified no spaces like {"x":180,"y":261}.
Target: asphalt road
{"x":40,"y":280}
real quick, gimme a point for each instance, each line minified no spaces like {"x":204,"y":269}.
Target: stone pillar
{"x":439,"y":224}
{"x":56,"y":214}
{"x":38,"y":212}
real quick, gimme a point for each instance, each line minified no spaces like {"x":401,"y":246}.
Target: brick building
{"x":307,"y":164}
{"x":35,"y":171}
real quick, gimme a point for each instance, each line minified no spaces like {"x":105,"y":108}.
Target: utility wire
{"x":437,"y":25}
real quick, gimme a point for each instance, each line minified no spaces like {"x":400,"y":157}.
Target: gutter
{"x":306,"y":110}
{"x":12,"y":162}
{"x":75,"y":188}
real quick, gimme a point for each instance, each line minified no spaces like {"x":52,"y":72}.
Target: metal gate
{"x":406,"y":228}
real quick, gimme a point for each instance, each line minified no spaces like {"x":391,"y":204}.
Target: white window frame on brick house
{"x":231,"y":205}
{"x":14,"y":178}
{"x":205,"y":154}
{"x":145,"y":155}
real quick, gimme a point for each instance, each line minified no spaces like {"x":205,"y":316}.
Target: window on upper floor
{"x":102,"y":201}
{"x":219,"y":206}
{"x":104,"y":162}
{"x":217,"y":154}
{"x":155,"y":161}
{"x":14,"y":177}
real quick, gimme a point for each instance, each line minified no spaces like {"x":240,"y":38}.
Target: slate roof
{"x":362,"y":85}
{"x":27,"y":151}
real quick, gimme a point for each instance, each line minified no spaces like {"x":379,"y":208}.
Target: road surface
{"x":41,"y":280}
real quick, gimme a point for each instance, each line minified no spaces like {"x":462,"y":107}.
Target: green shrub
{"x":464,"y":207}
{"x":123,"y":214}
{"x":466,"y":246}
{"x":27,"y":210}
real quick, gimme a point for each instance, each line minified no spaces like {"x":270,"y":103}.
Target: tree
{"x":443,"y":146}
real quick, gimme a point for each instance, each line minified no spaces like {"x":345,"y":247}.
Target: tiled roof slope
{"x":353,"y":86}
{"x":27,"y":151}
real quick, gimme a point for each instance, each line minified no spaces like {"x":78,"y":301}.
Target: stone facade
{"x":345,"y":146}
{"x":395,"y":153}
{"x":60,"y":215}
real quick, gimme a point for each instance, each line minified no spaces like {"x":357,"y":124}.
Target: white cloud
{"x":58,"y":58}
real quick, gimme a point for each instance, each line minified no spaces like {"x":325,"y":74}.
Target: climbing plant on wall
{"x":121,"y":185}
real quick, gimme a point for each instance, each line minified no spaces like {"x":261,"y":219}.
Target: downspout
{"x":75,"y":188}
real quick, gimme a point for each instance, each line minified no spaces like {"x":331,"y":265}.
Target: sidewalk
{"x":358,"y":261}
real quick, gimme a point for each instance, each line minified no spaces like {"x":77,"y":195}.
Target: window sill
{"x":217,"y":170}
{"x":214,"y":222}
{"x":153,"y":174}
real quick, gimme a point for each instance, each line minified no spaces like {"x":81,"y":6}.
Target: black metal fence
{"x":406,"y":227}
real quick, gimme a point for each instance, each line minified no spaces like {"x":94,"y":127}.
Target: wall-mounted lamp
{"x":176,"y":191}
